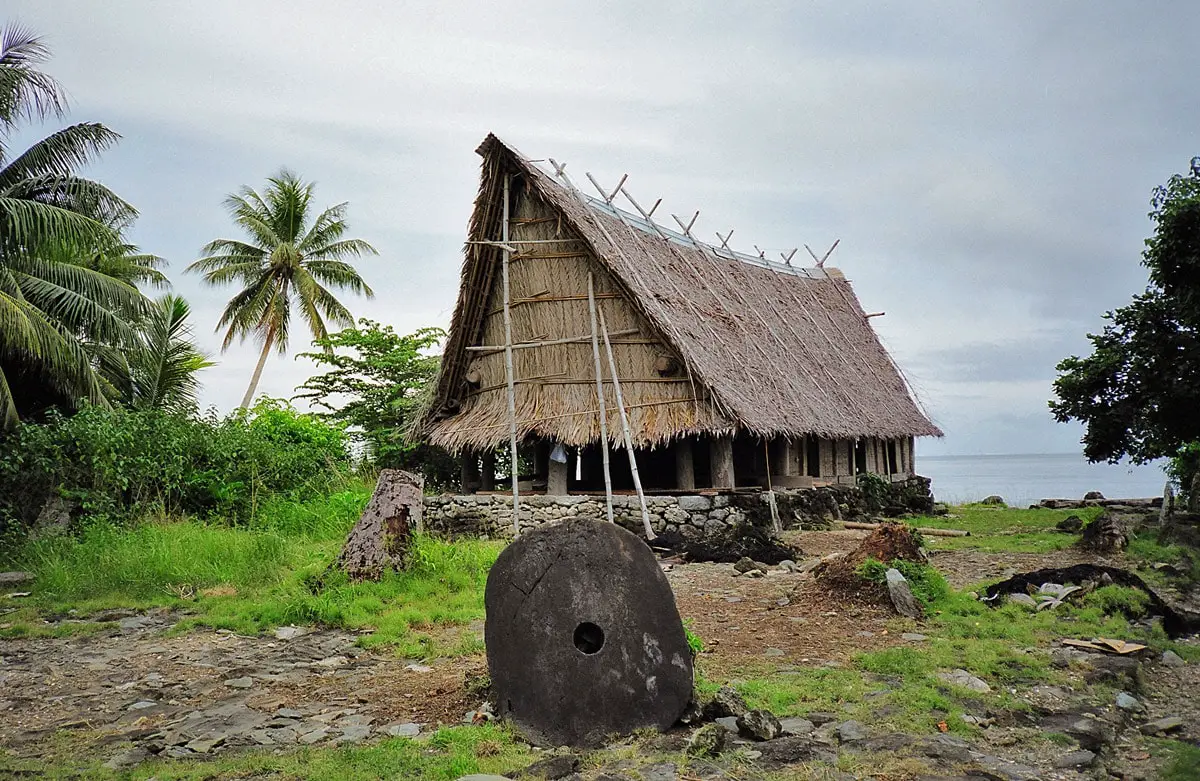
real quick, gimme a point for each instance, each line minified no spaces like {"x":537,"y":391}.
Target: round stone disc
{"x":583,"y":637}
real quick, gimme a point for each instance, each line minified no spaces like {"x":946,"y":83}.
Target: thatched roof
{"x":778,"y":351}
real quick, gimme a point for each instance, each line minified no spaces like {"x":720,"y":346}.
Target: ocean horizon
{"x":1027,"y":478}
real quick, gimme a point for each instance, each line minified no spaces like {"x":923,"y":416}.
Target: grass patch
{"x":998,"y":529}
{"x":448,"y":754}
{"x":249,"y":579}
{"x":803,"y":690}
{"x":1183,"y":760}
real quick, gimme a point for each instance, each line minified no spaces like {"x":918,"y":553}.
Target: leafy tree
{"x":376,"y":384}
{"x":51,"y":306}
{"x":1139,"y":391}
{"x":286,"y":262}
{"x":159,"y":372}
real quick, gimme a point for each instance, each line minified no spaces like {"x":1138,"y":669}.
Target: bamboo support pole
{"x":930,"y":532}
{"x":637,"y":480}
{"x":775,"y":524}
{"x":608,"y":501}
{"x":508,"y":371}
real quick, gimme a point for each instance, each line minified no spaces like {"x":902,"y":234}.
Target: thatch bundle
{"x":704,"y":342}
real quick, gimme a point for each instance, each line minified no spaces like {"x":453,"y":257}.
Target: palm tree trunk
{"x":258,"y":370}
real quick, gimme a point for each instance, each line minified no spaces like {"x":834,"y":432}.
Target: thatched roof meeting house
{"x":734,"y":371}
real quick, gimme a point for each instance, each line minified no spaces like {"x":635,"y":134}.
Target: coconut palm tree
{"x":50,"y":305}
{"x":286,"y":262}
{"x":160,"y":372}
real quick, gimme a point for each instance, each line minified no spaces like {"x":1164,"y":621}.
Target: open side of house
{"x":732,"y":371}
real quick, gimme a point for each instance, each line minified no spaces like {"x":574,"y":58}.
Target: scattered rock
{"x":966,"y":680}
{"x":708,"y":741}
{"x":664,"y":771}
{"x":408,"y":730}
{"x":142,"y":705}
{"x":946,"y":747}
{"x":993,"y":499}
{"x":902,"y":597}
{"x":759,"y":725}
{"x":727,"y":722}
{"x":552,"y":768}
{"x":355,"y":733}
{"x":1004,"y":770}
{"x":727,"y":702}
{"x":1162,"y":726}
{"x":850,"y":731}
{"x":1075,"y":759}
{"x":1127,"y":702}
{"x":245,"y":682}
{"x":693,"y":713}
{"x":892,"y":742}
{"x":913,"y":637}
{"x":791,"y":750}
{"x":788,"y":565}
{"x":330,"y":662}
{"x":15,"y":579}
{"x":795,"y":725}
{"x":744,"y":565}
{"x":1106,"y":534}
{"x":820,"y":717}
{"x":1070,"y":525}
{"x":1093,"y":496}
{"x":128,"y":758}
{"x":204,"y":745}
{"x":1172,"y":659}
{"x":289,"y":632}
{"x":1091,"y":733}
{"x":418,"y":668}
{"x":314,"y":736}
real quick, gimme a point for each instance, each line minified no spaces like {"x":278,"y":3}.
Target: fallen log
{"x":930,"y":532}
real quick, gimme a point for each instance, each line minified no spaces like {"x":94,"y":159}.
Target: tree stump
{"x":383,"y":535}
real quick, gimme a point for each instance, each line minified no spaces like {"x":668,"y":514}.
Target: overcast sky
{"x":987,"y":166}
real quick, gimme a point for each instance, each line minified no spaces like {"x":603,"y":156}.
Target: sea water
{"x":1026,"y":479}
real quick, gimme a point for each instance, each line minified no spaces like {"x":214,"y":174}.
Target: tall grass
{"x":274,"y":571}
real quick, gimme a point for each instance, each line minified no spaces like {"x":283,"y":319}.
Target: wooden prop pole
{"x":508,"y":372}
{"x":922,"y":530}
{"x":775,"y":524}
{"x":608,"y":500}
{"x":637,"y":480}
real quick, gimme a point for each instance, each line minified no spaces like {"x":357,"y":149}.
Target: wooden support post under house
{"x":633,"y":468}
{"x":685,"y":467}
{"x":601,"y":404}
{"x":780,"y":461}
{"x":470,"y":472}
{"x":487,"y":471}
{"x":508,"y":369}
{"x":721,"y":460}
{"x":557,"y":473}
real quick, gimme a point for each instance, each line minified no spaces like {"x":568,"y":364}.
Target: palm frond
{"x":163,"y":369}
{"x":30,"y":223}
{"x":59,"y":154}
{"x":26,"y":91}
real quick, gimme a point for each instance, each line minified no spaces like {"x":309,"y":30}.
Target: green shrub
{"x":927,"y":584}
{"x":120,"y":464}
{"x":1113,"y":600}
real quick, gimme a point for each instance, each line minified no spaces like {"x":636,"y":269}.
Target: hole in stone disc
{"x":589,"y":638}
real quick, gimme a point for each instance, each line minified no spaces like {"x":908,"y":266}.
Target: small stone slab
{"x":1162,"y":726}
{"x":15,"y":578}
{"x":966,"y":680}
{"x":583,"y":637}
{"x":552,"y":768}
{"x":1075,"y":759}
{"x":850,"y":731}
{"x":902,"y":597}
{"x":759,"y":725}
{"x":245,"y":682}
{"x":1172,"y":659}
{"x":797,"y":726}
{"x":409,"y":730}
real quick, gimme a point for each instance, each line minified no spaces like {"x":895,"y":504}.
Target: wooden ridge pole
{"x":608,"y":500}
{"x":637,"y":480}
{"x":508,"y":370}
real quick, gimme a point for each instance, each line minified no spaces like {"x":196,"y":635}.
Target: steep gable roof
{"x":783,"y":351}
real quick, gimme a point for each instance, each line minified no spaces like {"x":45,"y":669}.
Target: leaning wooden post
{"x":608,"y":500}
{"x":637,"y":480}
{"x":775,"y":524}
{"x":508,"y":369}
